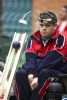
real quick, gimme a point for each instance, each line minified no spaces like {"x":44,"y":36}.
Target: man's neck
{"x":45,"y":38}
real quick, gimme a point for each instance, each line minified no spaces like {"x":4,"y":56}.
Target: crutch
{"x":22,"y":41}
{"x":8,"y":63}
{"x":7,"y":60}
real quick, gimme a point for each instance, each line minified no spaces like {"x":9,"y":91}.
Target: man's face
{"x":47,"y":30}
{"x":63,"y":14}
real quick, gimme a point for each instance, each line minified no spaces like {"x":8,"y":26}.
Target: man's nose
{"x":44,"y":27}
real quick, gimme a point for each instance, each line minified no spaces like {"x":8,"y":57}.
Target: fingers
{"x":34,"y":83}
{"x":30,"y":77}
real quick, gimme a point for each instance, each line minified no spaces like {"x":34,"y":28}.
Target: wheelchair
{"x":57,"y":89}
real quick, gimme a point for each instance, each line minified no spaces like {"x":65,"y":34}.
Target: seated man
{"x":46,"y":56}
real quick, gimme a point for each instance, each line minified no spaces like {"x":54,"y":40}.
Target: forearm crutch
{"x":11,"y":64}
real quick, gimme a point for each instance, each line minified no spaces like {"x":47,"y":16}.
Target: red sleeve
{"x":33,"y":47}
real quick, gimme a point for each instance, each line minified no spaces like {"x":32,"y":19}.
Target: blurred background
{"x":11,"y":11}
{"x":44,"y":5}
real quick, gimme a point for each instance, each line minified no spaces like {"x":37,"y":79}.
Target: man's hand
{"x":30,"y":78}
{"x":33,"y":81}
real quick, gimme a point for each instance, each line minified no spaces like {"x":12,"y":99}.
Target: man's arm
{"x":31,"y":57}
{"x":56,"y":57}
{"x":51,"y":61}
{"x":31,"y":63}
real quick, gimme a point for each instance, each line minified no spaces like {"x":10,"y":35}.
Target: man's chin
{"x":44,"y":34}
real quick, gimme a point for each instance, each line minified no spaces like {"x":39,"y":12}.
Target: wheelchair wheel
{"x":54,"y":92}
{"x":51,"y":96}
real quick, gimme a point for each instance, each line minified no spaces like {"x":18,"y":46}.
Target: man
{"x":63,"y":19}
{"x":46,"y":56}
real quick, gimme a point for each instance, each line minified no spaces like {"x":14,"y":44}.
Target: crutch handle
{"x":16,"y":45}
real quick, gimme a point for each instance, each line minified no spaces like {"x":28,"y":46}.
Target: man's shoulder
{"x":36,"y":37}
{"x":36,"y":34}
